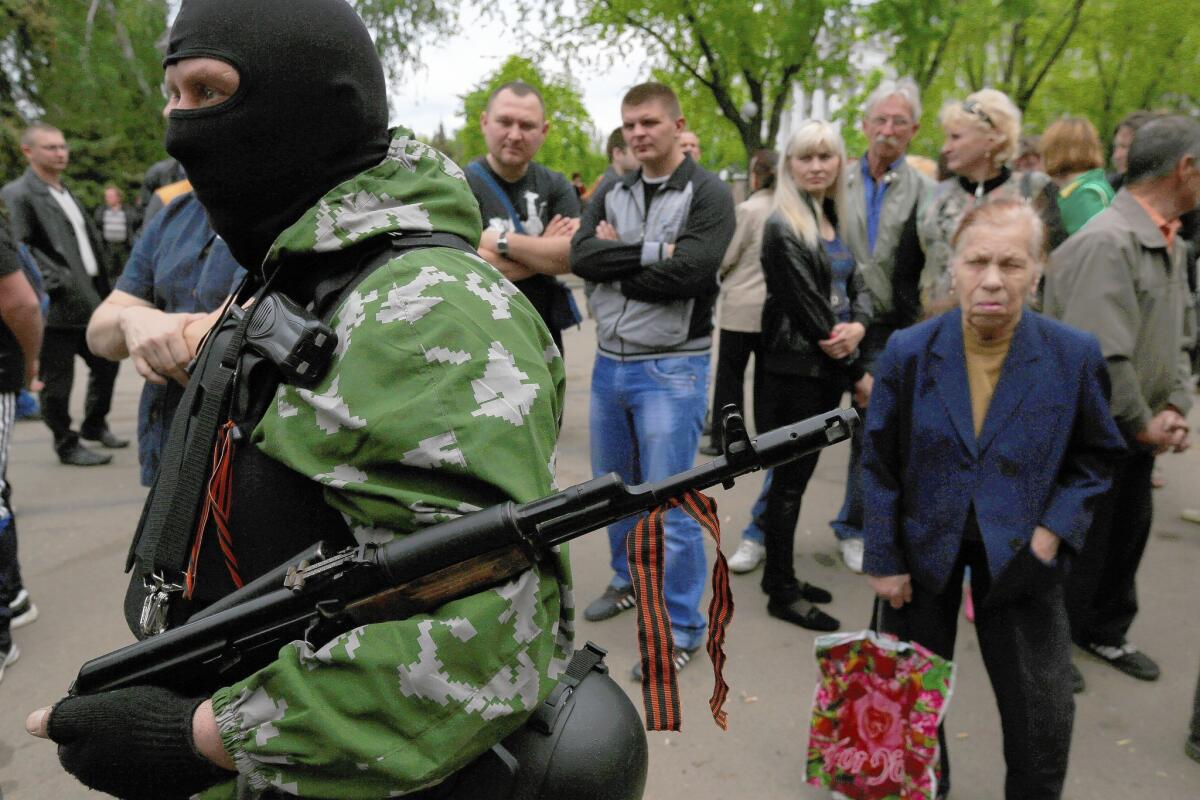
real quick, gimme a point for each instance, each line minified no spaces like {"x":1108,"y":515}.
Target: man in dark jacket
{"x":650,"y":245}
{"x":63,"y":240}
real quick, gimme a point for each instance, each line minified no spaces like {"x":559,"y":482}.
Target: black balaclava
{"x":309,"y":113}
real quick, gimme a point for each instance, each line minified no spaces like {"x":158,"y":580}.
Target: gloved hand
{"x":133,"y":743}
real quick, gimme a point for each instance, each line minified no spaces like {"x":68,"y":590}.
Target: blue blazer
{"x":1044,"y":456}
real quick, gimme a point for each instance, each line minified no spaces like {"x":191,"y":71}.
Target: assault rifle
{"x":318,"y":595}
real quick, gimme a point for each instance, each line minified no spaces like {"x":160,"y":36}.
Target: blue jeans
{"x":646,"y":418}
{"x":849,"y":521}
{"x":754,"y":531}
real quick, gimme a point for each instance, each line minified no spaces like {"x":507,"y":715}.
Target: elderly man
{"x":443,"y":395}
{"x":529,"y":212}
{"x":1123,"y":278}
{"x":988,"y":445}
{"x":883,"y":201}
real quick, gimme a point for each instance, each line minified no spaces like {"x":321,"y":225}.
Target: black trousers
{"x":1023,"y":635}
{"x":1102,"y":590}
{"x":59,"y":348}
{"x":1194,"y":733}
{"x":733,"y":354}
{"x":781,"y":400}
{"x":10,"y":570}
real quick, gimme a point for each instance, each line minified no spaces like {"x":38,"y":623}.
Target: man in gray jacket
{"x":649,"y":246}
{"x":883,"y":198}
{"x":1123,"y":278}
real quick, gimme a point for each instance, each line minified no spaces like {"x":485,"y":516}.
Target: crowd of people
{"x":1015,"y":326}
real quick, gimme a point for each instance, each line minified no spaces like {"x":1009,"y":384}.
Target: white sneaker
{"x":852,"y":554}
{"x":23,"y":610}
{"x":748,"y":556}
{"x":12,"y":655}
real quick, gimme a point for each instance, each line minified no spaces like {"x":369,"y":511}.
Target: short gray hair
{"x":33,"y":129}
{"x":1158,"y":145}
{"x":905,"y":88}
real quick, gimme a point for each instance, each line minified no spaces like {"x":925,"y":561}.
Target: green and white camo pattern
{"x":445,"y":396}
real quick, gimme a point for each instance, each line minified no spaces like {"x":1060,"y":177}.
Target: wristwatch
{"x":502,"y":243}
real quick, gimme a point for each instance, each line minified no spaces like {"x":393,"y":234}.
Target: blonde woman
{"x":982,"y":137}
{"x":816,"y":312}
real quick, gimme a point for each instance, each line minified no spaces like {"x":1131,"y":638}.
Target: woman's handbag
{"x":876,"y":712}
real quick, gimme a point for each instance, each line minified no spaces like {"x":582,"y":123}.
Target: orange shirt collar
{"x":1169,"y":229}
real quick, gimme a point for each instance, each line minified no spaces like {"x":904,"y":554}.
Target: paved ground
{"x":75,"y":526}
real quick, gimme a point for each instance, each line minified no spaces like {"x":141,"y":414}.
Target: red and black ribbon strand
{"x":660,"y":694}
{"x":217,"y":502}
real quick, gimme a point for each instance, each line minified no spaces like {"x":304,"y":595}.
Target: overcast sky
{"x":451,"y":68}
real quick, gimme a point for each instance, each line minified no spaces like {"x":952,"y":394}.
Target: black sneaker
{"x":1077,"y":682}
{"x":609,"y":604}
{"x":79,"y":456}
{"x":1126,"y":658}
{"x":22,"y":609}
{"x":680,"y":656}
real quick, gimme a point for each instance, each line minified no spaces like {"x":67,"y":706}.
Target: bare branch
{"x":126,"y":46}
{"x":1028,"y":91}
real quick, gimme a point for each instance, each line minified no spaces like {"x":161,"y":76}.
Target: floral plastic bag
{"x":876,"y":712}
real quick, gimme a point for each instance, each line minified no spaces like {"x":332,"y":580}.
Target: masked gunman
{"x":443,"y":396}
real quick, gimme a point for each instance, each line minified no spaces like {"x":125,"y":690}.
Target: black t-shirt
{"x":12,"y":360}
{"x":539,"y":196}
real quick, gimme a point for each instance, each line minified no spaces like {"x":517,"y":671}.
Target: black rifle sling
{"x":169,"y":519}
{"x":170,"y":516}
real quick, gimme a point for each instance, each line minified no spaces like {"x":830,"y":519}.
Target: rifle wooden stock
{"x":438,"y":588}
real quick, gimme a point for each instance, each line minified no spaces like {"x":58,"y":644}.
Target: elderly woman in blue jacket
{"x":988,"y":444}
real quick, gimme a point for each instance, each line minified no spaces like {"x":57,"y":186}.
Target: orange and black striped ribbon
{"x":660,"y":694}
{"x":217,"y":502}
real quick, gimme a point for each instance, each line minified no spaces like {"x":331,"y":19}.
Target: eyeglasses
{"x":975,"y":108}
{"x":897,"y":122}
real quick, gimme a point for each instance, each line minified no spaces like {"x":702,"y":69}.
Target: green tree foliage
{"x":572,"y":144}
{"x":1127,"y":55}
{"x":400,"y":27}
{"x":26,"y":31}
{"x":746,"y":55}
{"x":721,"y":142}
{"x":90,"y":68}
{"x":1096,"y":58}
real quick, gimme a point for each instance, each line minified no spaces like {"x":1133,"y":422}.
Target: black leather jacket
{"x":37,"y":220}
{"x":797,"y":313}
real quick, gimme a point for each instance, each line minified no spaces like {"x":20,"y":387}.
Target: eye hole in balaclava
{"x":309,"y":113}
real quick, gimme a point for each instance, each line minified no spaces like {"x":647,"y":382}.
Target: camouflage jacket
{"x":936,"y":227}
{"x":445,"y":396}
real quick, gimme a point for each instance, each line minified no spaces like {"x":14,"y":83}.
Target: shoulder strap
{"x":169,"y":517}
{"x":480,"y":172}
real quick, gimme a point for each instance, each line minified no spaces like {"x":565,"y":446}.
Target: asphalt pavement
{"x":75,"y":525}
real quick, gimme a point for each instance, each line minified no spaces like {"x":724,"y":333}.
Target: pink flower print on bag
{"x":876,"y":710}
